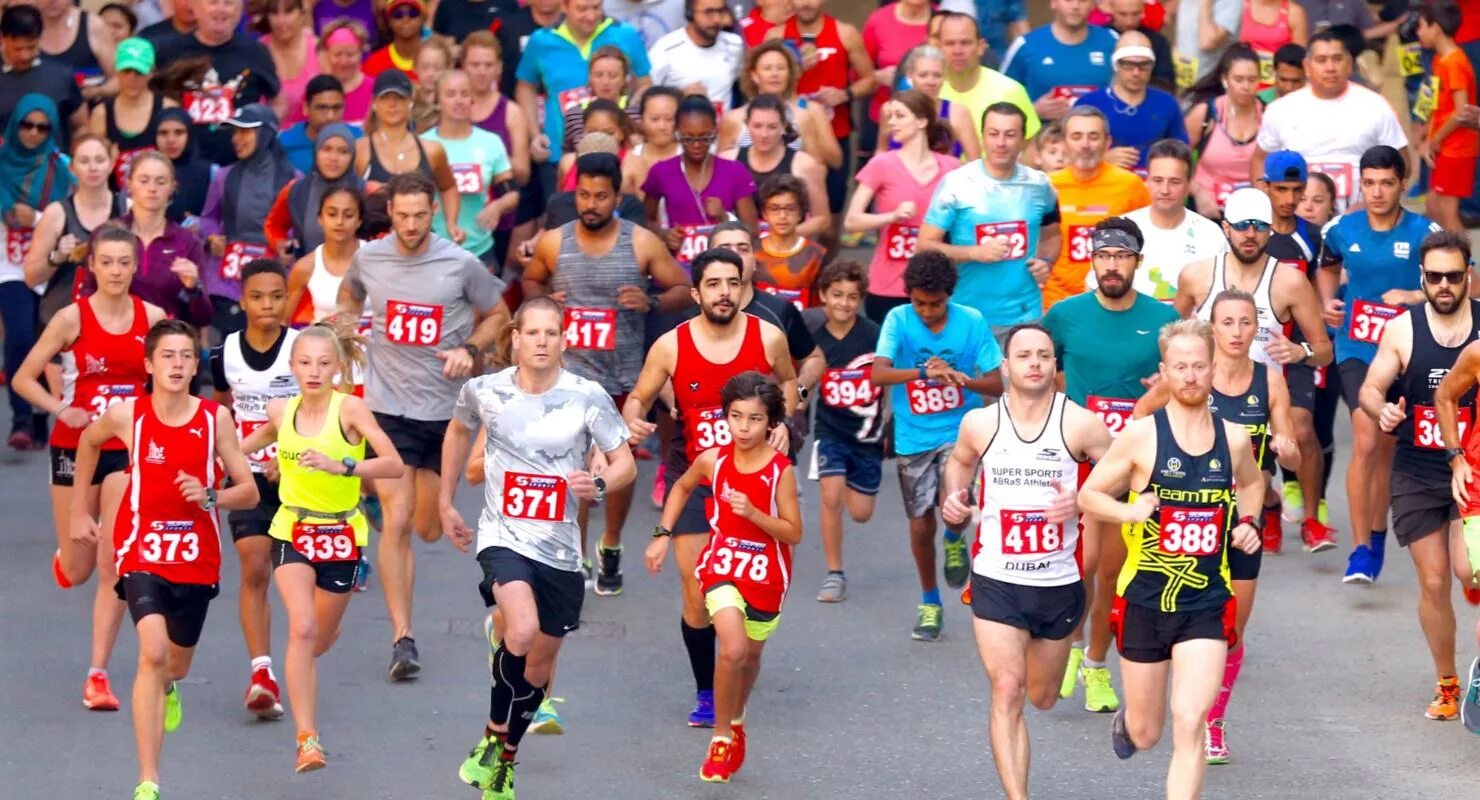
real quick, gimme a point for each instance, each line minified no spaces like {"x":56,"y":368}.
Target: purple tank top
{"x":497,"y":123}
{"x":361,"y":11}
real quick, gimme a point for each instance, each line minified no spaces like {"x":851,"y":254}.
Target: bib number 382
{"x":1014,"y":233}
{"x":537,"y":497}
{"x":1191,"y":531}
{"x":711,"y":428}
{"x":417,"y":324}
{"x":930,"y":396}
{"x":1029,"y":533}
{"x":1426,"y":427}
{"x":320,"y":542}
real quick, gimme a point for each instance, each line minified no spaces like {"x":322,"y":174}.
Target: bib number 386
{"x":1191,"y":531}
{"x":1426,"y":433}
{"x":319,"y":542}
{"x":537,"y":497}
{"x":711,"y":428}
{"x":418,"y":324}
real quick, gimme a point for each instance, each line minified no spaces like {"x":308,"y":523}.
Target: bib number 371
{"x":536,"y":497}
{"x":1191,"y":531}
{"x":418,"y":324}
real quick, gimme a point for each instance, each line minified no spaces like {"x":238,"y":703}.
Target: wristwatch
{"x":1309,"y":351}
{"x":659,"y":532}
{"x":600,"y":488}
{"x":210,"y":502}
{"x":1452,"y":453}
{"x":349,"y":465}
{"x":472,"y":350}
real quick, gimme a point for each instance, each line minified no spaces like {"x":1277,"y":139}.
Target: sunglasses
{"x":1249,"y":224}
{"x":404,"y":12}
{"x":39,"y":127}
{"x":1451,"y":278}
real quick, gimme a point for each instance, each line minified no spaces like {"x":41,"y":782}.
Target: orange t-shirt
{"x":1110,"y":192}
{"x":1453,"y":73}
{"x":789,"y":275}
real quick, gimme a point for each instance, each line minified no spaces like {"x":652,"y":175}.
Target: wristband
{"x":922,"y":374}
{"x":472,"y":350}
{"x":1250,"y":520}
{"x":659,"y":532}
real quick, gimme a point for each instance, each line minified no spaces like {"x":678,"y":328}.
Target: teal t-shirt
{"x":1104,"y":353}
{"x":475,"y":162}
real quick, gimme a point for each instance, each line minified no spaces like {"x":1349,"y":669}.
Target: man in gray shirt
{"x":1205,"y":28}
{"x":435,"y":308}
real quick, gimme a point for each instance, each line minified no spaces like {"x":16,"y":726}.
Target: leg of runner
{"x":1382,"y":494}
{"x":733,"y":653}
{"x":1216,"y":743}
{"x":161,"y":664}
{"x":255,"y":553}
{"x":398,"y":569}
{"x":74,"y":561}
{"x":108,"y":610}
{"x":424,"y":518}
{"x":698,"y":632}
{"x":1099,"y":694}
{"x":519,"y":682}
{"x":1360,"y":499}
{"x":1145,"y":713}
{"x":832,"y":490}
{"x":313,"y":627}
{"x":1196,"y":676}
{"x":1002,"y":649}
{"x":1436,"y":615}
{"x":1312,"y":461}
{"x":922,"y":547}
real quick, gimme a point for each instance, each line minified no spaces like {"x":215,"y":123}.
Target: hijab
{"x":192,"y":172}
{"x":306,"y":195}
{"x":253,"y":184}
{"x":32,"y":175}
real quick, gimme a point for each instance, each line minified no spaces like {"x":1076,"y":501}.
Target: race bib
{"x":1029,"y":533}
{"x":711,"y":428}
{"x":573,"y":98}
{"x":900,"y":241}
{"x":1340,"y":173}
{"x":125,"y":160}
{"x":1081,"y":242}
{"x":1186,"y":69}
{"x":1410,"y":59}
{"x":739,"y":563}
{"x":695,"y":241}
{"x":1266,"y":68}
{"x":1426,"y":434}
{"x":211,"y":106}
{"x":929,"y":396}
{"x":322,"y":542}
{"x":1427,"y":98}
{"x":1073,"y":92}
{"x":1369,"y":319}
{"x":1113,"y":411}
{"x":1222,"y":190}
{"x":109,"y":396}
{"x":536,"y":497}
{"x":849,"y":388}
{"x":417,"y":324}
{"x":236,"y":258}
{"x":17,"y":244}
{"x":1191,"y":531}
{"x":793,"y":296}
{"x":1320,"y":377}
{"x":245,"y":428}
{"x":170,"y":543}
{"x":591,"y":328}
{"x":468,"y":178}
{"x":1015,"y":232}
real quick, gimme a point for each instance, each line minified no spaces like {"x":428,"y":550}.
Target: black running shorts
{"x":335,"y":577}
{"x":558,"y":593}
{"x":1147,"y":636}
{"x":1045,"y":612}
{"x":183,"y":605}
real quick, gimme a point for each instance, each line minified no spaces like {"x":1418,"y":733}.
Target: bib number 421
{"x":1426,"y":433}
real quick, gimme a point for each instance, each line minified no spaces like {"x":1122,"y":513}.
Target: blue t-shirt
{"x":1040,"y":62}
{"x":965,"y":342}
{"x":1157,"y":117}
{"x":299,"y":147}
{"x":552,"y":62}
{"x":970,"y":204}
{"x":1375,"y":262}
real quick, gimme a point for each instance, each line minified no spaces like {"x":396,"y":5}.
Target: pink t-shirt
{"x":357,"y":102}
{"x":292,"y":90}
{"x":887,"y":40}
{"x":892,"y":184}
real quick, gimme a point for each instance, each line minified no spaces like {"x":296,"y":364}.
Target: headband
{"x":1133,"y":51}
{"x":343,"y":36}
{"x":1113,"y":237}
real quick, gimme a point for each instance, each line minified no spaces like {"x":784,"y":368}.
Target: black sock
{"x":501,"y":694}
{"x":700,"y":642}
{"x":508,"y":671}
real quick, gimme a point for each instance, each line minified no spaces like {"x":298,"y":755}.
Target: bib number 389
{"x":930,"y":396}
{"x":319,"y":542}
{"x":536,"y":497}
{"x":1191,"y":531}
{"x":418,"y":324}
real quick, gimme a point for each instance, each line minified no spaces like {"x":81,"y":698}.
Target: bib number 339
{"x":1191,"y":531}
{"x":417,"y":324}
{"x":319,"y":542}
{"x":536,"y":497}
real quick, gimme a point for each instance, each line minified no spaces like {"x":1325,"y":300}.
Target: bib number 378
{"x":418,"y":324}
{"x":1191,"y":531}
{"x":536,"y":497}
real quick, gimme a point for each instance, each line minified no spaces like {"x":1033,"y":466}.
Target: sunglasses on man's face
{"x":1248,"y":224}
{"x":1451,"y":278}
{"x":39,"y":127}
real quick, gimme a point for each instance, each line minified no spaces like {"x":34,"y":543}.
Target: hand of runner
{"x":991,"y":249}
{"x":633,"y":298}
{"x":656,"y":553}
{"x":1399,"y":297}
{"x":216,"y":245}
{"x":1151,"y":380}
{"x":318,"y":462}
{"x":1392,"y":414}
{"x":456,"y":234}
{"x":1285,"y":449}
{"x":1039,"y":269}
{"x":955,"y":510}
{"x":190,"y":488}
{"x":1459,"y":482}
{"x":539,"y":148}
{"x":285,"y":248}
{"x":84,"y":529}
{"x":1282,"y":350}
{"x":456,"y":363}
{"x":1123,"y":157}
{"x":1334,"y":312}
{"x":831,"y":96}
{"x":1065,"y":502}
{"x":739,"y":504}
{"x":68,"y":246}
{"x":905,"y":211}
{"x":1142,"y":508}
{"x":488,"y":218}
{"x":270,"y":470}
{"x":455,"y":529}
{"x":581,"y":484}
{"x":73,"y":417}
{"x":558,"y":297}
{"x":941,"y":371}
{"x":779,"y":438}
{"x":641,"y":429}
{"x":1246,"y":538}
{"x":1050,"y":106}
{"x":714,"y":209}
{"x":673,"y":238}
{"x":187,"y":272}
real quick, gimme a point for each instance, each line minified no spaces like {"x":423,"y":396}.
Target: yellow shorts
{"x":759,"y":625}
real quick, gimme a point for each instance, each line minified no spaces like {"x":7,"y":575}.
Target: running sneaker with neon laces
{"x":1315,"y":536}
{"x":173,"y":712}
{"x":1120,"y":738}
{"x":1359,"y":566}
{"x":501,"y":785}
{"x":660,"y":487}
{"x":148,"y":790}
{"x":1469,"y":709}
{"x":547,"y":720}
{"x":263,"y":696}
{"x":717,"y":767}
{"x":703,"y":714}
{"x":1099,"y":695}
{"x":56,"y":571}
{"x":1445,"y":705}
{"x":927,"y":624}
{"x":477,"y":769}
{"x":310,"y":754}
{"x":609,"y":575}
{"x":97,"y":694}
{"x":737,"y":746}
{"x":588,"y":574}
{"x":958,"y":566}
{"x":405,"y":661}
{"x":1217,"y":743}
{"x":1294,"y":501}
{"x":834,"y":588}
{"x":1072,"y":675}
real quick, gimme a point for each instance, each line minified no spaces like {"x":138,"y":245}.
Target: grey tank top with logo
{"x":603,"y":342}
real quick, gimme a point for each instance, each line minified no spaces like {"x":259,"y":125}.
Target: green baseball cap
{"x":135,"y":54}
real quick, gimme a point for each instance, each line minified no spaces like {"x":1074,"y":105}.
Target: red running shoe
{"x":1316,"y":536}
{"x":97,"y":695}
{"x":1274,"y":532}
{"x":737,"y":748}
{"x":262,"y":695}
{"x":717,"y":766}
{"x":1472,"y":596}
{"x":56,"y":570}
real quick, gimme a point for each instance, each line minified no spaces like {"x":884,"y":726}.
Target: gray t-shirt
{"x":421,"y":306}
{"x":533,"y":443}
{"x":1228,"y":14}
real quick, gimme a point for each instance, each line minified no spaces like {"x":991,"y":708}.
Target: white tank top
{"x":1267,"y":323}
{"x":252,"y":389}
{"x":1015,"y":484}
{"x":323,"y":292}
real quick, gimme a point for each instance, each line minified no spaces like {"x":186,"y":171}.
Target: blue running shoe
{"x":1379,"y":549}
{"x":703,"y":714}
{"x":547,"y":720}
{"x":1359,"y":565}
{"x":1120,"y":738}
{"x":1469,"y":704}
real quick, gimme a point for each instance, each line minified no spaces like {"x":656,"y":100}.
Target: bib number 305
{"x":536,"y":497}
{"x":1191,"y":531}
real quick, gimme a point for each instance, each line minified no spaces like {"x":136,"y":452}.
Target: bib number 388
{"x":319,"y":542}
{"x":536,"y":497}
{"x":711,"y":428}
{"x":418,"y":324}
{"x":1191,"y":531}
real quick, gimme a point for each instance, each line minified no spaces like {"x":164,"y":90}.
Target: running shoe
{"x":1378,"y":548}
{"x":1294,"y":501}
{"x":547,"y":720}
{"x":1273,"y":535}
{"x":20,"y":440}
{"x":477,"y":768}
{"x":659,"y":487}
{"x":1072,"y":675}
{"x":405,"y":661}
{"x":703,"y":714}
{"x":501,"y":785}
{"x":1120,"y":738}
{"x":1099,"y":695}
{"x":148,"y":790}
{"x":717,"y":765}
{"x":1469,"y":710}
{"x":262,"y":695}
{"x":1445,"y":705}
{"x":1217,"y":743}
{"x":927,"y":624}
{"x":958,"y":567}
{"x":373,"y":512}
{"x":737,"y":746}
{"x":56,"y":571}
{"x":363,"y":573}
{"x":1472,"y":595}
{"x":834,"y":588}
{"x":1359,"y":566}
{"x":97,"y":694}
{"x":173,"y":713}
{"x":642,"y":454}
{"x":1316,"y":536}
{"x":588,"y":573}
{"x":1321,"y":513}
{"x":609,"y":576}
{"x":310,"y":754}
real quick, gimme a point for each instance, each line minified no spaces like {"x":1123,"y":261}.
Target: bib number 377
{"x":1370,"y":319}
{"x":1191,"y":531}
{"x":536,"y":497}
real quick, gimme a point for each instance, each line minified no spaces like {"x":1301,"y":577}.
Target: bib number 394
{"x":1191,"y":531}
{"x":537,"y":497}
{"x":930,"y":396}
{"x":413,"y":323}
{"x":1426,"y":427}
{"x":848,"y":388}
{"x":1029,"y":533}
{"x":1369,"y":319}
{"x":319,"y":542}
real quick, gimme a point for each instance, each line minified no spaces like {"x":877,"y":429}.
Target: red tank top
{"x":158,"y":531}
{"x":831,"y":69}
{"x":697,"y":382}
{"x":754,"y":27}
{"x":100,"y":369}
{"x":739,"y":552}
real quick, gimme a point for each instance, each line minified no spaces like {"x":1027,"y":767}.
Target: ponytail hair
{"x":938,"y":134}
{"x":770,"y":102}
{"x":348,"y":345}
{"x":504,"y":347}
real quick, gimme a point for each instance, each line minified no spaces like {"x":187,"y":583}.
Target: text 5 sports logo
{"x":536,"y":482}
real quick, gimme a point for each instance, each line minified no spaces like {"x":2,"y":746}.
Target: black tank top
{"x":143,"y":140}
{"x":377,"y":172}
{"x":79,"y":56}
{"x":1249,"y":408}
{"x":782,"y":168}
{"x":58,"y":292}
{"x":1420,"y":450}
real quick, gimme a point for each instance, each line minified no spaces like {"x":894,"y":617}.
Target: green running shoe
{"x":1294,"y":501}
{"x":547,"y":720}
{"x":502,"y":785}
{"x":172,"y":710}
{"x":958,"y":569}
{"x":477,"y":769}
{"x":1071,"y":673}
{"x":492,"y":635}
{"x":1099,"y":695}
{"x":148,"y":790}
{"x":927,"y":625}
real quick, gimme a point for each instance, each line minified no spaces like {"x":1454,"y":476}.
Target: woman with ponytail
{"x":769,"y":154}
{"x":924,"y":70}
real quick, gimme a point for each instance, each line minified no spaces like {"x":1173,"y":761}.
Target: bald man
{"x":1139,"y":115}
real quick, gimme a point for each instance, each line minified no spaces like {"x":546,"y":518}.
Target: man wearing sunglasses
{"x":1418,"y":349}
{"x":405,"y":19}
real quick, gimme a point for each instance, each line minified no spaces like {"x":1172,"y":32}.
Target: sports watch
{"x":349,"y":465}
{"x":600,"y":488}
{"x":210,"y":502}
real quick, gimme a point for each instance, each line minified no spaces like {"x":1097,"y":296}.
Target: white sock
{"x":95,"y":671}
{"x":1090,"y":663}
{"x":263,"y":662}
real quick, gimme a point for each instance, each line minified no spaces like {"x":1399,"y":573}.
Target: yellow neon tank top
{"x":326,"y":496}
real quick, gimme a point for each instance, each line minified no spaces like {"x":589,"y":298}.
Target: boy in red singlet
{"x":168,"y":540}
{"x":745,"y":568}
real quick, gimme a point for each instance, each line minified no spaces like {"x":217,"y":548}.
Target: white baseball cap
{"x":1248,"y":204}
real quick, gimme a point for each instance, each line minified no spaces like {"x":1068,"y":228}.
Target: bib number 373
{"x":418,"y":324}
{"x":536,"y":497}
{"x":320,"y":542}
{"x":1191,"y":531}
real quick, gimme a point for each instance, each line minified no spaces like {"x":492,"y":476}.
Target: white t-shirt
{"x":1228,"y":14}
{"x":677,"y":61}
{"x":1332,"y":134}
{"x":1168,"y":250}
{"x":651,"y":18}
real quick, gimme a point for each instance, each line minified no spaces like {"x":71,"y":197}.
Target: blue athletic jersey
{"x":1157,"y":117}
{"x":968,"y":205}
{"x":926,"y":415}
{"x":1040,"y":62}
{"x":1375,"y":262}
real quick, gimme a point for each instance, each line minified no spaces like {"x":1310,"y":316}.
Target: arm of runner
{"x":113,"y":423}
{"x":1328,"y":284}
{"x":1248,"y":486}
{"x":1282,"y":428}
{"x":456,"y":444}
{"x":662,"y":270}
{"x":966,"y":133}
{"x":678,"y":496}
{"x":977,"y":428}
{"x":1087,"y":434}
{"x":1305,"y":309}
{"x":786,"y":526}
{"x":1456,"y":384}
{"x":352,"y":294}
{"x":857,"y":218}
{"x":541,"y":266}
{"x":745,"y":211}
{"x":1186,"y":299}
{"x":386,"y":463}
{"x":527,"y":96}
{"x":26,"y":381}
{"x":1111,"y":477}
{"x":1154,"y":400}
{"x":814,"y":177}
{"x":886,"y":374}
{"x":1050,"y":241}
{"x":933,"y":238}
{"x":518,"y":143}
{"x":446,"y":188}
{"x":779,"y":354}
{"x":241,"y":491}
{"x":811,"y":370}
{"x":655,"y":372}
{"x":44,"y":243}
{"x":1386,"y":365}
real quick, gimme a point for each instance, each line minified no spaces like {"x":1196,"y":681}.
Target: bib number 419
{"x":417,"y":324}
